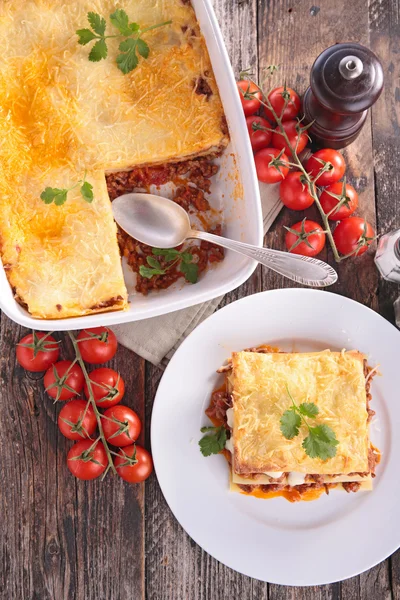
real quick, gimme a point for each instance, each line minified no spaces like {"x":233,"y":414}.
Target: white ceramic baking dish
{"x":235,"y":190}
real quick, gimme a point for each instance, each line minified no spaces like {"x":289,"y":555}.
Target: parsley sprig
{"x":214,"y":441}
{"x":174,"y":257}
{"x":321,"y":441}
{"x":59,"y":195}
{"x":131,"y":48}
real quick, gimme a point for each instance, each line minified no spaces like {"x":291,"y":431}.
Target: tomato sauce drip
{"x":292,"y":495}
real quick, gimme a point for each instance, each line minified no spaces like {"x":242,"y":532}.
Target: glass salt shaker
{"x":387,"y":257}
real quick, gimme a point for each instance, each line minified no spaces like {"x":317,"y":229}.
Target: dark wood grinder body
{"x":346,"y":79}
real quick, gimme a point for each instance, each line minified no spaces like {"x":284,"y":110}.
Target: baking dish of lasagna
{"x":172,"y":124}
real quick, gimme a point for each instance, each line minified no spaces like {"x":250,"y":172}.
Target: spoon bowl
{"x":151,"y":219}
{"x":161,"y":223}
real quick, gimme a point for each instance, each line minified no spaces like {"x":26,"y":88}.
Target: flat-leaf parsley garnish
{"x":321,"y":441}
{"x":131,"y":48}
{"x":214,"y":441}
{"x":185,"y":260}
{"x":59,"y":195}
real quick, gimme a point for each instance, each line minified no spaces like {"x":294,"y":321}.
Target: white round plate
{"x":305,"y":543}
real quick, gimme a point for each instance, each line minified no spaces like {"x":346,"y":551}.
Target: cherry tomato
{"x":60,"y":375}
{"x":134,"y":473}
{"x":296,"y":135}
{"x":250,"y":96}
{"x":353,"y":235}
{"x":294,"y":191}
{"x":97,"y":345}
{"x":87,"y":459}
{"x":334,"y":162}
{"x":37,"y":351}
{"x":76,"y":421}
{"x":306,"y":238}
{"x":108,"y":387}
{"x":277,"y":97}
{"x":271,"y":165}
{"x":335,"y":193}
{"x":259,"y":138}
{"x":121,"y":425}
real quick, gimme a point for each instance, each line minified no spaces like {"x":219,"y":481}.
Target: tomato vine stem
{"x":298,"y":164}
{"x":91,"y":400}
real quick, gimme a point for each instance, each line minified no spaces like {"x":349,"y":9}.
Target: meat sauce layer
{"x":192,"y":181}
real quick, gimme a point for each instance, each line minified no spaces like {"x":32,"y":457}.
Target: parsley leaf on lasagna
{"x":321,"y":442}
{"x":309,"y":409}
{"x":290,"y":424}
{"x":214,"y":441}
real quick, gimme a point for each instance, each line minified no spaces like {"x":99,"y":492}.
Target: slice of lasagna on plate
{"x":296,"y":424}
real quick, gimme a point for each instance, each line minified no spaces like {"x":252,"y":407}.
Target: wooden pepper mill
{"x":346,"y":79}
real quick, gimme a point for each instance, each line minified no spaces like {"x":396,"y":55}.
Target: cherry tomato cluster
{"x":325,"y":168}
{"x":78,"y":420}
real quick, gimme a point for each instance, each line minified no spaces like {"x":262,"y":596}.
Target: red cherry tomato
{"x":121,"y":425}
{"x":271,"y":165}
{"x":353,"y":235}
{"x":37,"y":351}
{"x":107,"y":385}
{"x":133,"y":473}
{"x":250,"y":96}
{"x":333,"y":195}
{"x":97,"y":345}
{"x":278,"y":97}
{"x":60,"y":375}
{"x":259,"y":138}
{"x":76,"y":421}
{"x":294,"y":192}
{"x":309,"y":237}
{"x":334,"y":161}
{"x":87,"y":460}
{"x":296,"y":135}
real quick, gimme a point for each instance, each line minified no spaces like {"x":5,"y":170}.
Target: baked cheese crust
{"x":62,"y":116}
{"x":334,"y":381}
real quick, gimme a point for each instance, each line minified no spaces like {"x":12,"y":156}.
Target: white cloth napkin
{"x":156,"y":339}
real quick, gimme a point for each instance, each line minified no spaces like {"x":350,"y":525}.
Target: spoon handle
{"x":303,"y":269}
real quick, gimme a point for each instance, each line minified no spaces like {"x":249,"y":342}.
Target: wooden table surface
{"x":62,"y":539}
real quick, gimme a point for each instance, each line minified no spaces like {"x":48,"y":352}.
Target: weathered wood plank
{"x":238,"y":22}
{"x":282,"y":41}
{"x":64,"y":538}
{"x":385,"y":41}
{"x":323,"y":592}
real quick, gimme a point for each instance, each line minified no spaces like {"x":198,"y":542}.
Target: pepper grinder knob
{"x":346,"y":80}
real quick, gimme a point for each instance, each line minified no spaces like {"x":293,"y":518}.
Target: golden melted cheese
{"x":62,"y":115}
{"x":334,"y":381}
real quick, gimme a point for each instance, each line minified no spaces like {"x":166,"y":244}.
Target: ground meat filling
{"x":220,"y":402}
{"x":192,"y":180}
{"x":107,"y":303}
{"x":202,"y":87}
{"x":367,"y":371}
{"x":351,"y":486}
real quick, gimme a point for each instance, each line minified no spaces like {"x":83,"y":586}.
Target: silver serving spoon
{"x":161,"y":223}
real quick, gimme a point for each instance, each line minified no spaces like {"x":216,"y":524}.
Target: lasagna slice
{"x":259,"y":389}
